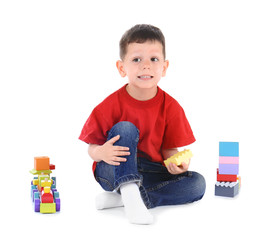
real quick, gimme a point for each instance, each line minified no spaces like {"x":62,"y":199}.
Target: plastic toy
{"x":226,"y":177}
{"x":228,"y":183}
{"x":44,"y":194}
{"x":227,"y":189}
{"x":179,"y":157}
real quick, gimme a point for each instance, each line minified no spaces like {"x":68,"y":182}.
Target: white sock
{"x":135,"y":208}
{"x":108,"y":200}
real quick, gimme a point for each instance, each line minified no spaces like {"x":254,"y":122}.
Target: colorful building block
{"x":43,"y":187}
{"x":47,"y":207}
{"x":226,"y":177}
{"x":229,"y":149}
{"x":52,"y":167}
{"x":226,"y":189}
{"x":229,"y":169}
{"x":228,"y":183}
{"x":35,"y":172}
{"x":46,"y":183}
{"x":229,"y":160}
{"x":35,"y":181}
{"x":58,"y":204}
{"x":46,"y":197}
{"x":37,"y":205}
{"x":179,"y":157}
{"x":46,"y":189}
{"x":239,"y":180}
{"x":41,"y":163}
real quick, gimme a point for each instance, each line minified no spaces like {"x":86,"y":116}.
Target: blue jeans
{"x":157,"y":186}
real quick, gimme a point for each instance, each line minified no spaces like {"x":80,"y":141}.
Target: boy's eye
{"x":136,"y":60}
{"x":154,"y":59}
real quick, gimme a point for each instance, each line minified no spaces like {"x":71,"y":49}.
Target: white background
{"x":57,"y":62}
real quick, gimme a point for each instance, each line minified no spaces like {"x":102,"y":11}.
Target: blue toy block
{"x":228,"y":149}
{"x":226,"y":189}
{"x":229,"y":169}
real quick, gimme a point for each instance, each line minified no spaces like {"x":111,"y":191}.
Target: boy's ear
{"x":120,"y":68}
{"x":165,"y":67}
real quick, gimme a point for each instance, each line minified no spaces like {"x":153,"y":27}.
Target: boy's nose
{"x":146,"y":64}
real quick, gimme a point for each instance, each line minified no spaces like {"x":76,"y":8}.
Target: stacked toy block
{"x":43,"y":187}
{"x":228,"y":182}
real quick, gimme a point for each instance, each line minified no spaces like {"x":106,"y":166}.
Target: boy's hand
{"x":112,"y":154}
{"x":174,"y":169}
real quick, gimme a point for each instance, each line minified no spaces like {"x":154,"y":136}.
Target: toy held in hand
{"x":179,"y":157}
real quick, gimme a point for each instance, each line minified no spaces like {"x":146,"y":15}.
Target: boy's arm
{"x":173,"y":168}
{"x":108,"y":152}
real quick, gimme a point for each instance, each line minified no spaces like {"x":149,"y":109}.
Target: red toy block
{"x":52,"y":167}
{"x":46,"y":197}
{"x":226,"y":177}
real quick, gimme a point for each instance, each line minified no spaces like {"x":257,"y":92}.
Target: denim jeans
{"x":157,"y":186}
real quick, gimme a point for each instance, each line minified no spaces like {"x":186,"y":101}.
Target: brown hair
{"x":141,"y":33}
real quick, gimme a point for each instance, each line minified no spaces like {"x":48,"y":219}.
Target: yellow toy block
{"x":179,"y":157}
{"x":46,"y":189}
{"x":239,"y":180}
{"x":48,"y":207}
{"x":35,"y":181}
{"x":46,"y":183}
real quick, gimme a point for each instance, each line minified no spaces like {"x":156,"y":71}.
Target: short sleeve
{"x":178,"y":132}
{"x":95,"y":129}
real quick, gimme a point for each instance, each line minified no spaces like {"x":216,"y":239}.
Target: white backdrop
{"x":57,"y":62}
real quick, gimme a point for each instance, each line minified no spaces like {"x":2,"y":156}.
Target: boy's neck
{"x":141,"y":94}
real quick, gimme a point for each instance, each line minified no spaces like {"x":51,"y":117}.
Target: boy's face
{"x":144,"y":64}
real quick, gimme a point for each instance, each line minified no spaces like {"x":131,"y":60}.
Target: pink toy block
{"x":228,"y":160}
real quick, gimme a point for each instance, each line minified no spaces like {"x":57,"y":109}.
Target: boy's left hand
{"x":174,"y":169}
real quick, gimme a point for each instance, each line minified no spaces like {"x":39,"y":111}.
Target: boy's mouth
{"x":145,"y":77}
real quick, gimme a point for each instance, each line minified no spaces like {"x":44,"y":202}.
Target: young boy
{"x":135,"y":129}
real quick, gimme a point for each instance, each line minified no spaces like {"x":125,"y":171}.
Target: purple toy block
{"x":228,"y":169}
{"x":33,"y":193}
{"x":53,"y":190}
{"x":37,"y":205}
{"x":57,"y":201}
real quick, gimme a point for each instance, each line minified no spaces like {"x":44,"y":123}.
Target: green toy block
{"x":36,"y":195}
{"x":56,"y":194}
{"x":35,"y":172}
{"x":42,"y":178}
{"x":48,"y":207}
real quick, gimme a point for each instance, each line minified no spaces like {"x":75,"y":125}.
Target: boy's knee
{"x":200,"y":184}
{"x":125,"y":129}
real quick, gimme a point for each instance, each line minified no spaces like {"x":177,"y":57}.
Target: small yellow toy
{"x":179,"y":157}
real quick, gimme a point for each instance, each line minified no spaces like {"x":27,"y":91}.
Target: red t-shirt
{"x":161,"y":122}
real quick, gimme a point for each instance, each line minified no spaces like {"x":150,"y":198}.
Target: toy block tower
{"x":43,"y":187}
{"x":228,"y":182}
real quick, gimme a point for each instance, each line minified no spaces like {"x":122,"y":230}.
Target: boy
{"x":135,"y":129}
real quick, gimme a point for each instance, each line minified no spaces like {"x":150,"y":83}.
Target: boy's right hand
{"x":112,"y":154}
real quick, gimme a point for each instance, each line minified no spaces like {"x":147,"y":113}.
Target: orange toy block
{"x":41,"y":163}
